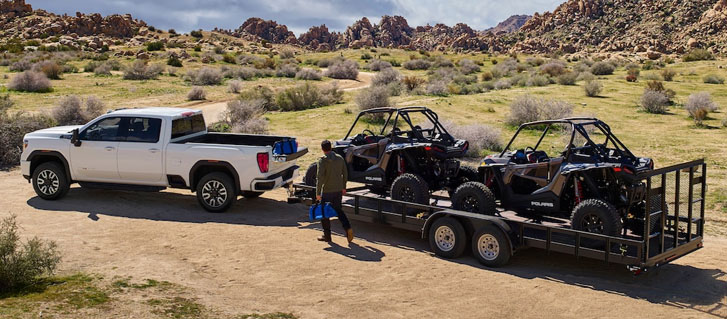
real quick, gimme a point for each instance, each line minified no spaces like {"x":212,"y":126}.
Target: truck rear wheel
{"x":596,"y":216}
{"x":491,"y":247}
{"x":216,"y":192}
{"x":474,"y":197}
{"x":447,"y":238}
{"x":50,"y":181}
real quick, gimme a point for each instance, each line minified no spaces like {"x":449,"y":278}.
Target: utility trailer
{"x":494,"y":239}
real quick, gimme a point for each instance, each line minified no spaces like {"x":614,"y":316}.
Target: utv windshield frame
{"x":402,"y":113}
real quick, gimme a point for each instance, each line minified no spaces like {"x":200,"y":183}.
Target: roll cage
{"x":392,"y":116}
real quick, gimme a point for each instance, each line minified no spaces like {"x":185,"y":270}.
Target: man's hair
{"x":326,"y":145}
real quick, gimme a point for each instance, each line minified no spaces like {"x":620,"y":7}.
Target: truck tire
{"x":311,"y":175}
{"x":491,"y":247}
{"x":447,"y":238}
{"x":251,"y":194}
{"x":410,"y":188}
{"x":216,"y":192}
{"x":474,"y":197}
{"x":50,"y":181}
{"x":596,"y":216}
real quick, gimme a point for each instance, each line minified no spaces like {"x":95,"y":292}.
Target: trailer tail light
{"x":263,"y":162}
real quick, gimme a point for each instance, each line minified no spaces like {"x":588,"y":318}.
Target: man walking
{"x":330,"y":188}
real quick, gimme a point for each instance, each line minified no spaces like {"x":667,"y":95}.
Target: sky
{"x":299,"y":15}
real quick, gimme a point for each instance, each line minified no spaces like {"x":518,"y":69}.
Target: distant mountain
{"x":511,"y":24}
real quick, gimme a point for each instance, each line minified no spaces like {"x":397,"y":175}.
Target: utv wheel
{"x":596,"y":216}
{"x":216,"y":192}
{"x":474,"y":197}
{"x":467,"y":174}
{"x":491,"y":247}
{"x":447,"y":238}
{"x":410,"y":188}
{"x":50,"y":181}
{"x":251,"y":194}
{"x":311,"y":175}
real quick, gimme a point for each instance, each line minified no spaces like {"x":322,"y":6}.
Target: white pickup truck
{"x":155,"y":148}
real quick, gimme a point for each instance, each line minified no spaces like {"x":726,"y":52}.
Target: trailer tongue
{"x":678,"y":224}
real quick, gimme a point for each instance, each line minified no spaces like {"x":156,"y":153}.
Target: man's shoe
{"x":349,"y":235}
{"x":324,"y":238}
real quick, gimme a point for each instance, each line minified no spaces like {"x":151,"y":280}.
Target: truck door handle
{"x":109,"y":148}
{"x":153,"y":150}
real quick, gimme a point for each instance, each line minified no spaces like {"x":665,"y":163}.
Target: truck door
{"x":140,"y":155}
{"x":95,"y":158}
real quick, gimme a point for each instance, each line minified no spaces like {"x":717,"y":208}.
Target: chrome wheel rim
{"x":592,"y":224}
{"x":444,"y":238}
{"x":488,"y":247}
{"x":48,"y":182}
{"x":214,"y":193}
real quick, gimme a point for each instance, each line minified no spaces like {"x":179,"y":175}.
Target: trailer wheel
{"x":596,"y":216}
{"x":216,"y":192}
{"x":491,"y":247}
{"x":447,"y":238}
{"x":311,"y":175}
{"x":251,"y":194}
{"x":49,"y":181}
{"x":474,"y":197}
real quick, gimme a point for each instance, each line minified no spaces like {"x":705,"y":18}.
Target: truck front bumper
{"x":275,"y":180}
{"x":25,"y":169}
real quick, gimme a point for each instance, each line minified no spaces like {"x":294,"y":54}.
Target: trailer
{"x":494,"y":239}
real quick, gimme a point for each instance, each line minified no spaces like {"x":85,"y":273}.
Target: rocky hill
{"x":511,"y":24}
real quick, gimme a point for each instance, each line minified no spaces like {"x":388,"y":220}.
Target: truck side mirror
{"x":74,"y":138}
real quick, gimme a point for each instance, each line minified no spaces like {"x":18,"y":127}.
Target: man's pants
{"x":335,"y":200}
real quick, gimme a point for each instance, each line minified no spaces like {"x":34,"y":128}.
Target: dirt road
{"x":262,"y":256}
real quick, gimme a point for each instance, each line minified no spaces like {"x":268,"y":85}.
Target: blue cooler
{"x":286,"y":146}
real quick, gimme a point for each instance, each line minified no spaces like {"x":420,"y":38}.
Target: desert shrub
{"x":346,"y":69}
{"x":698,"y":105}
{"x":366,"y":56}
{"x":568,"y":78}
{"x":553,"y":68}
{"x":526,"y":108}
{"x":246,"y":116}
{"x":324,"y":63}
{"x":412,"y":82}
{"x":417,"y":64}
{"x":487,"y":76}
{"x":506,"y":68}
{"x":103,"y":70}
{"x":386,"y":76}
{"x":658,"y":86}
{"x":287,"y":54}
{"x":51,"y":69}
{"x":651,"y":76}
{"x":30,"y":81}
{"x":586,"y":76}
{"x":330,"y":94}
{"x":538,"y":80}
{"x":196,"y":94}
{"x":229,"y":58}
{"x":593,"y":88}
{"x":91,"y":66}
{"x":5,"y":103}
{"x":535,"y":61}
{"x":234,"y":86}
{"x":23,"y":263}
{"x":260,"y":92}
{"x":668,"y":74}
{"x":204,"y":76}
{"x":466,"y":66}
{"x":307,"y":96}
{"x":20,"y":66}
{"x":480,"y":136}
{"x":633,"y":70}
{"x":140,"y":70}
{"x":373,"y":97}
{"x":654,"y":102}
{"x":698,"y":55}
{"x":462,"y":79}
{"x":377,"y":65}
{"x":502,"y":84}
{"x":71,"y":110}
{"x":196,"y":33}
{"x":286,"y":70}
{"x":155,"y":46}
{"x":174,"y":61}
{"x":437,"y":87}
{"x":308,"y":74}
{"x":631,"y":78}
{"x":602,"y":68}
{"x":12,"y":129}
{"x":713,"y":79}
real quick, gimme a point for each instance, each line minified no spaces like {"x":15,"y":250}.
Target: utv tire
{"x":447,"y":238}
{"x":491,"y":247}
{"x":216,"y":192}
{"x":251,"y":194}
{"x":596,"y":216}
{"x":311,"y":175}
{"x":410,"y":188}
{"x":467,"y":174}
{"x":50,"y":181}
{"x":474,"y":197}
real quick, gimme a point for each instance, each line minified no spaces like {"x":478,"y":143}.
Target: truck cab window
{"x":145,"y":130}
{"x":187,"y":126}
{"x":103,"y":130}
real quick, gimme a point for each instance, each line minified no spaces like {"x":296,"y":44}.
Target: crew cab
{"x":156,"y":148}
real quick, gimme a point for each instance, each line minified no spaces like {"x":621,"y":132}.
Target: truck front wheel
{"x":216,"y":192}
{"x":49,"y":181}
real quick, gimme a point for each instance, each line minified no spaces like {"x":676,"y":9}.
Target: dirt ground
{"x":262,"y":256}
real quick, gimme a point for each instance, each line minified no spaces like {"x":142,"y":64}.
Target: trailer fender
{"x":471,"y":222}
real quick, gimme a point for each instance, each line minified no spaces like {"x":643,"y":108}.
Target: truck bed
{"x":234,"y":139}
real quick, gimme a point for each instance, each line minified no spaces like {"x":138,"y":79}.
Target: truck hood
{"x":55,"y":132}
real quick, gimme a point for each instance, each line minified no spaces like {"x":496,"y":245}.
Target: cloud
{"x":299,"y":15}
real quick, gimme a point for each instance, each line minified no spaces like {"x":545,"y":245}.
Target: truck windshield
{"x":187,"y":126}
